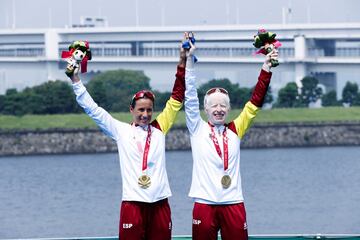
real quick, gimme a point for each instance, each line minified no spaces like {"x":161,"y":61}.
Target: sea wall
{"x":59,"y":141}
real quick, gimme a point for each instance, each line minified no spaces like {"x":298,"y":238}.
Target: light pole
{"x":13,"y":15}
{"x":137,"y":13}
{"x":69,"y":14}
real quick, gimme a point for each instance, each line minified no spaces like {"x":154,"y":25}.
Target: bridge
{"x":330,"y":52}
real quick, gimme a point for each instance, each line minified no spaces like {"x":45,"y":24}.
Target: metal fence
{"x":104,"y":52}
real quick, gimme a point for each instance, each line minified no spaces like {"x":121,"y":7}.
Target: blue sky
{"x":58,"y":14}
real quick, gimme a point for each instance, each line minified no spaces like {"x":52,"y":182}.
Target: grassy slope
{"x":330,"y":114}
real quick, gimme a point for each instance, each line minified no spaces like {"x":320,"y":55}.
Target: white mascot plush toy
{"x":79,"y":53}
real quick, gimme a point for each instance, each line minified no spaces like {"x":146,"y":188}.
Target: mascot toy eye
{"x":266,"y":42}
{"x":79,"y":53}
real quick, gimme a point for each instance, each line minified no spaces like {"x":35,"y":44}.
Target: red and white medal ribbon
{"x":217,"y":146}
{"x":146,"y":150}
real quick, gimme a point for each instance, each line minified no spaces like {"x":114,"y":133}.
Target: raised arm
{"x":101,"y":117}
{"x":246,"y":117}
{"x":167,"y":117}
{"x":192,"y":106}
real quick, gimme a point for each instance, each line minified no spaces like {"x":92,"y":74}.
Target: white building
{"x":330,"y":52}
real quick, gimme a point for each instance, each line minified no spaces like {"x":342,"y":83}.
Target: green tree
{"x":98,"y":92}
{"x":2,"y":103}
{"x":34,"y":103}
{"x":238,"y":96}
{"x":310,"y":92}
{"x":51,"y":97}
{"x":269,"y":96}
{"x":329,"y":99}
{"x":113,"y":89}
{"x":48,"y":98}
{"x":161,"y":99}
{"x":13,"y":103}
{"x":288,"y":96}
{"x":11,"y":91}
{"x":350,"y":93}
{"x":357,"y":100}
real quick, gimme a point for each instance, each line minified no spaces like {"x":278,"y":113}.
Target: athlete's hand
{"x":271,"y":56}
{"x":190,"y":52}
{"x":72,"y":70}
{"x":182,"y":58}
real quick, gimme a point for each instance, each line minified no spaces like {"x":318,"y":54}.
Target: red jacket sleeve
{"x":260,"y":90}
{"x":178,"y":92}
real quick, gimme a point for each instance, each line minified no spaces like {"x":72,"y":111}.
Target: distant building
{"x":330,"y":52}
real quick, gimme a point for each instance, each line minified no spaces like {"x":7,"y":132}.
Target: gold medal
{"x":226,"y":181}
{"x":144,"y":181}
